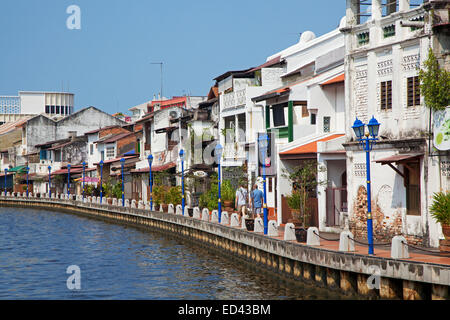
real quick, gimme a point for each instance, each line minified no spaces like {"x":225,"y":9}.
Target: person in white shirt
{"x":241,"y":200}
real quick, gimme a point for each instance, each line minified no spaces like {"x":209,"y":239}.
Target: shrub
{"x":440,"y":209}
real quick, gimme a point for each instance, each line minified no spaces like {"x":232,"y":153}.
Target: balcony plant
{"x":228,"y":195}
{"x":174,"y":195}
{"x":440,"y":211}
{"x":159,"y":196}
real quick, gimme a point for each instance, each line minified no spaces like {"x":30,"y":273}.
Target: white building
{"x":383,"y":57}
{"x":305,"y":117}
{"x":53,"y":104}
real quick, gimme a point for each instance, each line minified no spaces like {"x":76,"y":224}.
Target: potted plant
{"x":440,"y":211}
{"x":159,"y":196}
{"x":228,"y":195}
{"x":304,"y":181}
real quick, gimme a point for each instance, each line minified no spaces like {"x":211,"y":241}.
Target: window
{"x":57,"y":109}
{"x":47,"y":109}
{"x":412,"y":185}
{"x":110,"y":152}
{"x":43,"y":155}
{"x":241,"y":127}
{"x":67,"y":110}
{"x":102,"y":155}
{"x":313,"y":118}
{"x":326,"y":124}
{"x":52,"y":109}
{"x":413,"y":91}
{"x":91,"y":149}
{"x":386,"y":95}
{"x":278,"y":115}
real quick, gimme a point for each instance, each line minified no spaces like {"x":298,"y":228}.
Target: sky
{"x":107,"y":62}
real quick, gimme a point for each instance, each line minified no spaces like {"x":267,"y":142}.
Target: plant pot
{"x":228,"y":209}
{"x":250,"y":224}
{"x":165,"y":207}
{"x":300,"y":234}
{"x":191,"y":212}
{"x":446,"y":231}
{"x":297,"y":223}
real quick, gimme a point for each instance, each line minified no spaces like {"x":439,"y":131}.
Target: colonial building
{"x":384,"y":51}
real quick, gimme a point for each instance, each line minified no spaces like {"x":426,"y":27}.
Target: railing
{"x":234,"y":99}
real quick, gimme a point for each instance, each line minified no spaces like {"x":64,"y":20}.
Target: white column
{"x":403,"y":5}
{"x":376,"y":9}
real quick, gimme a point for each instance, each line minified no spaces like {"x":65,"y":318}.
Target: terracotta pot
{"x":444,"y":247}
{"x":165,"y":207}
{"x":297,"y":223}
{"x":446,"y":231}
{"x":300,"y":234}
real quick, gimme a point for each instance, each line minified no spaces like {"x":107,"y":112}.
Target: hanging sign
{"x":442,"y":129}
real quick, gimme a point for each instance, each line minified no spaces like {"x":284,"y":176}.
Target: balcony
{"x":234,"y":99}
{"x":234,"y":151}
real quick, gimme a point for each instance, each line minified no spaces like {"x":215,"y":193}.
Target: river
{"x":121,"y":262}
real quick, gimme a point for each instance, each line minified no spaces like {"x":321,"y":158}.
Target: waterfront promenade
{"x":422,"y":276}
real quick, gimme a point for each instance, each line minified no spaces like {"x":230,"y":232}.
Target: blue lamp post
{"x":28,"y":171}
{"x":182,"y":180}
{"x":150,"y":182}
{"x":263,"y":142}
{"x":101,"y":181}
{"x":122,"y":163}
{"x":219,"y":151}
{"x":68,"y":180}
{"x":49,"y":181}
{"x":84,"y":175}
{"x":6,"y":171}
{"x":367,"y":140}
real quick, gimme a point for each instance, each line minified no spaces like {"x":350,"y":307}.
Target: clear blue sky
{"x":107,"y":63}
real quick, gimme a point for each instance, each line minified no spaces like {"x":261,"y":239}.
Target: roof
{"x":163,"y":167}
{"x":268,"y":63}
{"x":338,"y":79}
{"x":104,"y":128}
{"x":118,"y":159}
{"x":229,"y":73}
{"x":170,"y":102}
{"x":52,"y":142}
{"x":18,"y":169}
{"x":309,"y":147}
{"x":10,"y":126}
{"x":399,"y":157}
{"x":114,"y":137}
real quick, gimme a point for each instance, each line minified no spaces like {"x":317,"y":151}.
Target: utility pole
{"x":161,"y":65}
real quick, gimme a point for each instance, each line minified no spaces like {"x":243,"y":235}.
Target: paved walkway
{"x":383,"y":251}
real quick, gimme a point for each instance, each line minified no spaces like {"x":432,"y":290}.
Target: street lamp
{"x":182,"y":180}
{"x":84,"y":176}
{"x":122,"y":163}
{"x":6,"y":171}
{"x":101,"y":181}
{"x":263,"y":142}
{"x":49,"y":182}
{"x":367,"y":140}
{"x":219,"y":151}
{"x":150,"y":182}
{"x":28,"y":171}
{"x":68,"y":180}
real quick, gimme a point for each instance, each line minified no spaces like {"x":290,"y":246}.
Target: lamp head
{"x":374,"y":127}
{"x":122,"y":160}
{"x":182,"y":154}
{"x":68,"y":166}
{"x":263,"y":141}
{"x":219,"y":150}
{"x":28,"y":169}
{"x":150,"y":158}
{"x":358,"y":128}
{"x":84,"y":164}
{"x":49,"y":168}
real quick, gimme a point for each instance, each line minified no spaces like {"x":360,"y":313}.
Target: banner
{"x":441,"y":129}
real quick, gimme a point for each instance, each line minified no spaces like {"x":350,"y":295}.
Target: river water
{"x":120,"y":262}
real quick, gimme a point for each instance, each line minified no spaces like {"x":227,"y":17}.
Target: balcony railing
{"x":234,"y":99}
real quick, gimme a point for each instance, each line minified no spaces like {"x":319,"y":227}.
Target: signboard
{"x":441,"y":129}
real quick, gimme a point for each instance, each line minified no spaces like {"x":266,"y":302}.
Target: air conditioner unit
{"x":157,"y":107}
{"x":174,"y":114}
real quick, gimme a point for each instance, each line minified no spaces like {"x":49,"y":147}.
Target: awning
{"x":267,"y":64}
{"x":400,"y":159}
{"x":18,"y":169}
{"x":337,"y":79}
{"x":307,"y":150}
{"x":87,"y":179}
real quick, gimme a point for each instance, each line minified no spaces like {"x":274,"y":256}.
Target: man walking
{"x":241,"y":200}
{"x":257,"y":201}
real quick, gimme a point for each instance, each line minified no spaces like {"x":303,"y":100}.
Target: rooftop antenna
{"x":161,"y":65}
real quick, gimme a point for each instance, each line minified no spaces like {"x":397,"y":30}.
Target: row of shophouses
{"x":306,"y":98}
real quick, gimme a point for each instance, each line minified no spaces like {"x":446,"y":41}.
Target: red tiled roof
{"x":337,"y":79}
{"x":100,"y":129}
{"x":399,"y":157}
{"x":310,"y":147}
{"x":156,"y":168}
{"x":117,"y":137}
{"x":118,"y":159}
